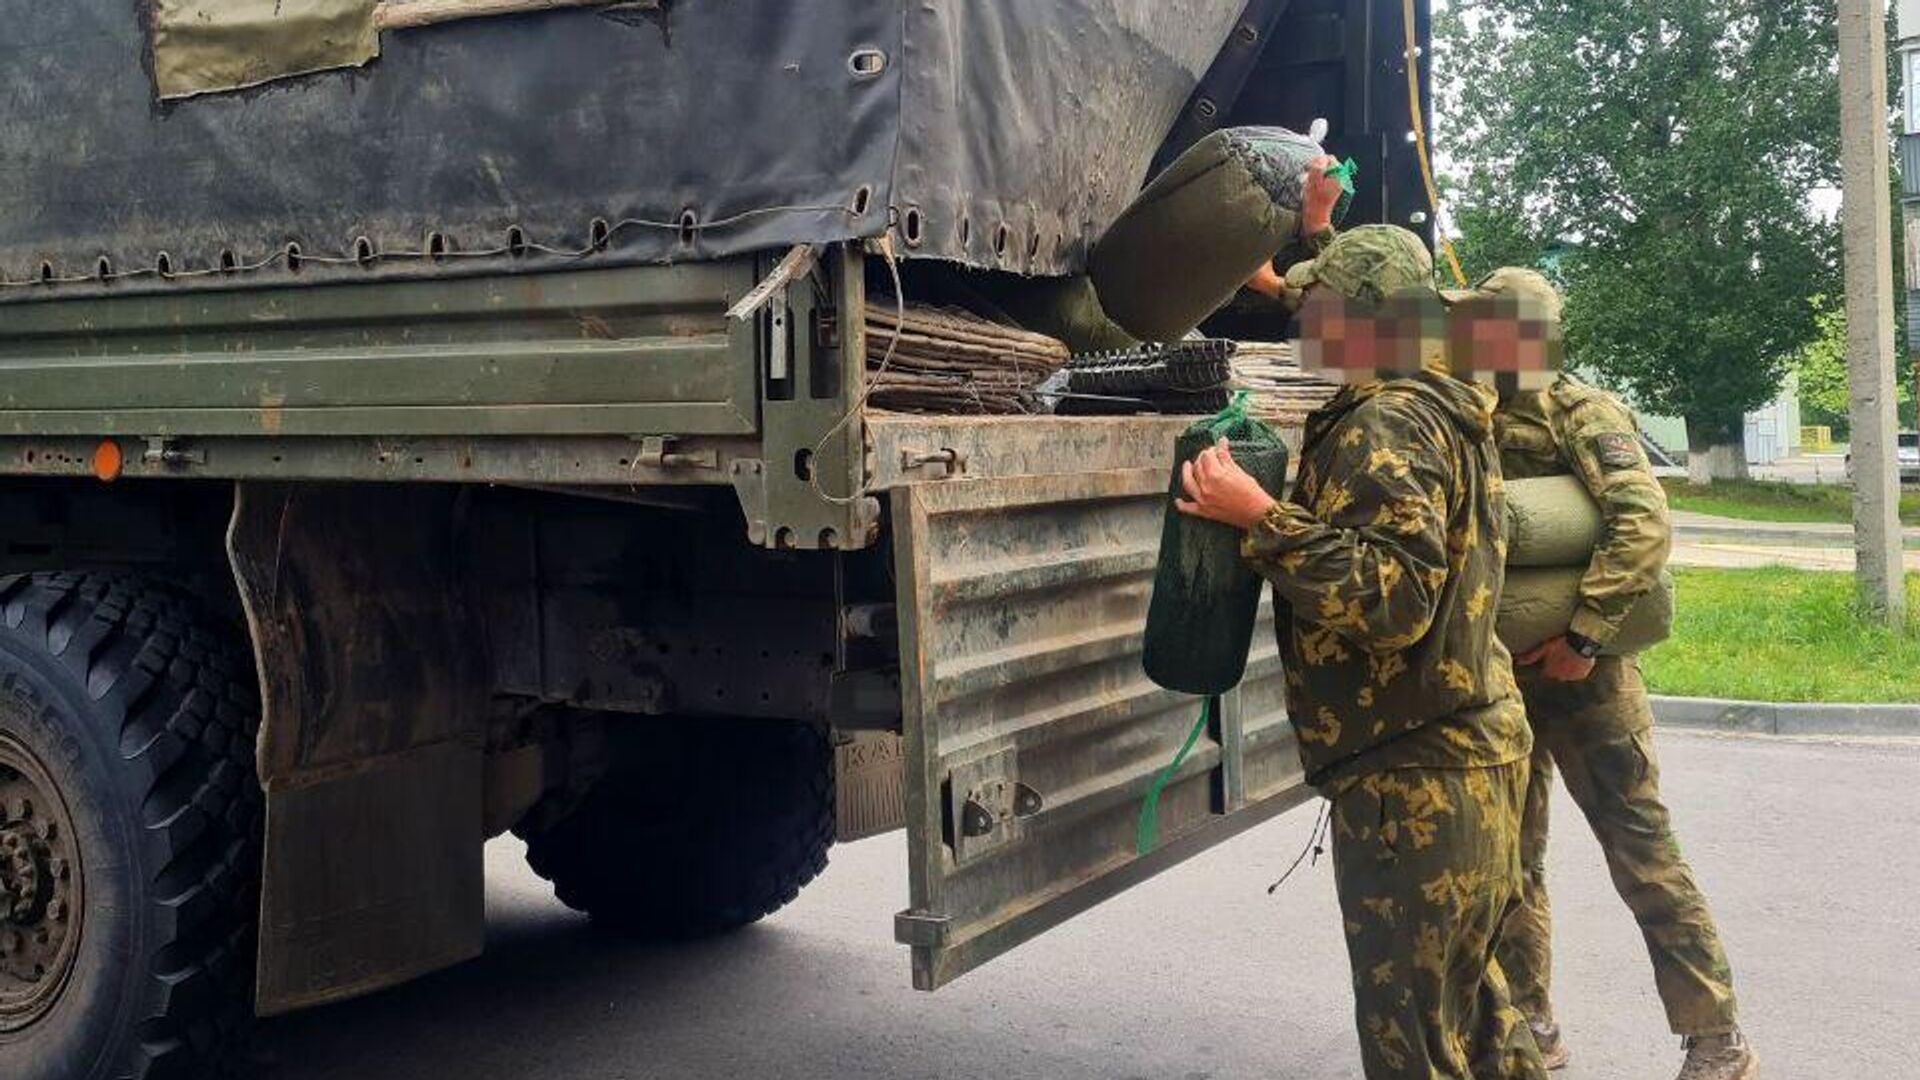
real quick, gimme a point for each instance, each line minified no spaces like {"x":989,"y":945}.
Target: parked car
{"x":1907,"y":454}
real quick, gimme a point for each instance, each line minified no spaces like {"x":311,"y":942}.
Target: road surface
{"x":1806,"y":849}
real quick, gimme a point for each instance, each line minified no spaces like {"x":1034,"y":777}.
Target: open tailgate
{"x":1032,"y":732}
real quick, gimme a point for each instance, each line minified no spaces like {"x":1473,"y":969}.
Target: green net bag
{"x":1206,"y":598}
{"x":1200,"y":229}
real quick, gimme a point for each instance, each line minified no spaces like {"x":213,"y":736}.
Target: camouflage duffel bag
{"x":1538,"y":604}
{"x":1551,"y":521}
{"x":1201,"y":229}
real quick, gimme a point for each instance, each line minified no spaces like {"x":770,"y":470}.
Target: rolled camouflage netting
{"x":1206,"y":598}
{"x":1201,"y":229}
{"x":1538,"y":603}
{"x":1551,"y":521}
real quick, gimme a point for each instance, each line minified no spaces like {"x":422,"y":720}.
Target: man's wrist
{"x":1582,"y":645}
{"x":1589,"y":624}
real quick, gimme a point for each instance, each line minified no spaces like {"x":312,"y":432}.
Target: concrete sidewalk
{"x":1706,"y":527}
{"x":1726,"y":556}
{"x":1787,"y":718}
{"x":1734,"y":544}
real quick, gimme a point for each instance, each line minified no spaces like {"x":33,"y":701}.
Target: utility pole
{"x":1909,"y":52}
{"x":1868,"y":235}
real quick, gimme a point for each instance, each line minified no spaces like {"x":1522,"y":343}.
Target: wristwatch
{"x":1584,"y":645}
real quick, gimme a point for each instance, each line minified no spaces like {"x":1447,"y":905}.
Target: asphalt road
{"x":1807,"y":850}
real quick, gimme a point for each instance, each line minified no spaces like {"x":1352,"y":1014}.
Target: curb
{"x":1774,"y":537}
{"x":1786,"y":718}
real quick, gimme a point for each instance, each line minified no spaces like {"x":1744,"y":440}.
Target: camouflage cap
{"x":1530,"y":287}
{"x":1369,"y":263}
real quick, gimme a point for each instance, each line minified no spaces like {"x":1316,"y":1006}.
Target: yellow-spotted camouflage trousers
{"x":1599,"y":733}
{"x":1427,"y":863}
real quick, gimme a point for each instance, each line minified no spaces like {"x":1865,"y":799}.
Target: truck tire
{"x":704,"y":827}
{"x":129,"y":832}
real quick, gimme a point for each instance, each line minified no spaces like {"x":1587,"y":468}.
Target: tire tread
{"x":181,"y":690}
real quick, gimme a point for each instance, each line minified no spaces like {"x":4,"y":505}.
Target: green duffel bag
{"x":1206,"y":598}
{"x":1552,"y":521}
{"x":1538,"y":604}
{"x":1202,"y":227}
{"x":1064,"y":308}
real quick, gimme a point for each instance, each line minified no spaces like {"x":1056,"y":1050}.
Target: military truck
{"x":381,"y":471}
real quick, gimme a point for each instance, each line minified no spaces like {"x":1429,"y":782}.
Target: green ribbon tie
{"x":1147,"y":831}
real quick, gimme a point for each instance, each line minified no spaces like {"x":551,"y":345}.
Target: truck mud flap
{"x":370,"y":745}
{"x":1032,"y":733}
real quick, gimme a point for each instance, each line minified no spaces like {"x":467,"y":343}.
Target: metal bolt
{"x":61,"y":871}
{"x":57,"y":910}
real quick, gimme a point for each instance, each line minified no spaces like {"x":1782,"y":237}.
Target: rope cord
{"x":294,"y":257}
{"x":1316,"y":845}
{"x":1146,"y":831}
{"x":866,"y":391}
{"x":1420,"y":142}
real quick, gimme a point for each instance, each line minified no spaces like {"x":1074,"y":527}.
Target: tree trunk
{"x":1716,"y":451}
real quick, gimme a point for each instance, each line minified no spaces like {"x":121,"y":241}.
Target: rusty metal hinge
{"x":656,"y":452}
{"x":165,"y":450}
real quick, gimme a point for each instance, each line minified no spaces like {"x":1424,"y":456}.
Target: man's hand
{"x":1267,"y":281}
{"x":1557,"y":660}
{"x":1219,"y":490}
{"x":1321,"y":196}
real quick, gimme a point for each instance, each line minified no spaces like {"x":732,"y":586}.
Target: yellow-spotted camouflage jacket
{"x":1571,"y":427}
{"x":1386,"y":564}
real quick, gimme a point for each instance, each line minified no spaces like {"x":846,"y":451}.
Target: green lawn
{"x":1782,"y":635}
{"x":1759,"y":500}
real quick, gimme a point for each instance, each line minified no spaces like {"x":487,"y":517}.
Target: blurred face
{"x":1353,"y":342}
{"x":1507,"y":342}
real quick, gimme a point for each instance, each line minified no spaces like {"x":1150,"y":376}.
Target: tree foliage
{"x":1822,"y":368}
{"x":1671,"y":144}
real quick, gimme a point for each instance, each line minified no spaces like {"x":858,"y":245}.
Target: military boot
{"x":1553,"y":1049}
{"x":1719,"y":1057}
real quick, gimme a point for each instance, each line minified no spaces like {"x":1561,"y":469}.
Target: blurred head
{"x":1369,"y":310}
{"x":1506,"y":333}
{"x":1368,"y":264}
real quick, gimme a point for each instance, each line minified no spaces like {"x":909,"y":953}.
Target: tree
{"x":1673,"y":143}
{"x":1822,"y":367}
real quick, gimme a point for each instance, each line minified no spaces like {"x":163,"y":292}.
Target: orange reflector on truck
{"x":107,"y":461}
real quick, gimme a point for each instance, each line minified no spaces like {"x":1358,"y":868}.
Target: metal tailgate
{"x":1032,"y":732}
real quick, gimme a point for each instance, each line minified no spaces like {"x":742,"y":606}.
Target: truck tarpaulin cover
{"x":999,"y":133}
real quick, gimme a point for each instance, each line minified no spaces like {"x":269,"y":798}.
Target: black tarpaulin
{"x":998,"y":133}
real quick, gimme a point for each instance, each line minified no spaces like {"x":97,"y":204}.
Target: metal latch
{"x":912,"y":458}
{"x":986,"y":807}
{"x":165,"y":450}
{"x":987,"y":804}
{"x":656,"y":452}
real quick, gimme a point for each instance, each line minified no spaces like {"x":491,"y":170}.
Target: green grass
{"x":1782,"y":635}
{"x":1758,"y":500}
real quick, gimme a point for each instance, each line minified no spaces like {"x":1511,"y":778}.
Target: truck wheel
{"x":129,"y":832}
{"x":703,"y":827}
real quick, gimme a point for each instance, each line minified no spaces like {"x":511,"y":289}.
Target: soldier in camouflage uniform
{"x":1386,"y":565}
{"x":1590,"y":717}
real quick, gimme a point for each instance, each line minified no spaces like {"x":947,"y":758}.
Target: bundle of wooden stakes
{"x":946,"y":361}
{"x":1282,"y":394}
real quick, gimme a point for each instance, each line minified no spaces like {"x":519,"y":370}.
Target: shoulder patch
{"x":1615,"y":450}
